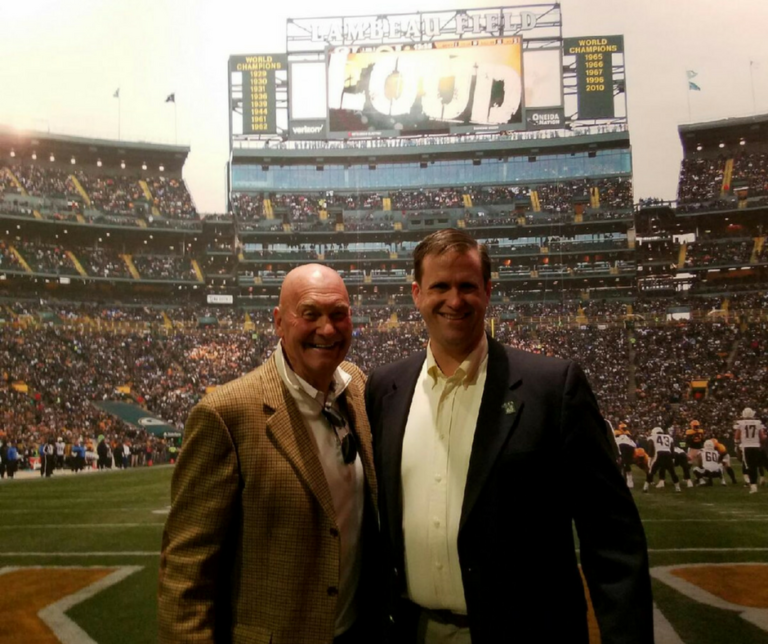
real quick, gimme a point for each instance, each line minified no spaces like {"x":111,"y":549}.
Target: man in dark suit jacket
{"x":485,"y":456}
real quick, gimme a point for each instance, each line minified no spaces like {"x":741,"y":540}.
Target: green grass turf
{"x":77,"y":514}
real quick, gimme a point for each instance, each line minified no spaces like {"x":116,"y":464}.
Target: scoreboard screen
{"x":443,"y":84}
{"x":427,"y":73}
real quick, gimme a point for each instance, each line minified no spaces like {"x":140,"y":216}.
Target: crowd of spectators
{"x":752,"y":167}
{"x":171,"y":197}
{"x":40,"y":181}
{"x":164,"y":267}
{"x":46,"y":258}
{"x":701,"y":180}
{"x":702,"y":187}
{"x":641,"y":376}
{"x":708,"y":253}
{"x":116,"y":195}
{"x":615,"y":194}
{"x":103,"y":262}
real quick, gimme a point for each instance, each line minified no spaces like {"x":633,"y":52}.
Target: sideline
{"x":29,"y":475}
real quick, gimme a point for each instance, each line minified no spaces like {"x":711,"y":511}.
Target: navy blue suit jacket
{"x":541,"y":461}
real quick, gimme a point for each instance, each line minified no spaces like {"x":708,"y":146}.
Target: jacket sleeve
{"x":613,"y":549}
{"x":204,"y":500}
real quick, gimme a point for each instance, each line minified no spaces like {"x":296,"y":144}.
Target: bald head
{"x":310,"y":276}
{"x":314,"y":323}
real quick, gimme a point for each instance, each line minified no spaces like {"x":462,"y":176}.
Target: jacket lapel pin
{"x":509,"y":407}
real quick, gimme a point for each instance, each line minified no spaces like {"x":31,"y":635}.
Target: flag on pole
{"x":171,"y":98}
{"x":691,"y":74}
{"x":117,"y":93}
{"x":693,"y":86}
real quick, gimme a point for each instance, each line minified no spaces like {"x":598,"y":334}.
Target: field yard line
{"x":82,"y":525}
{"x":663,"y":633}
{"x":137,"y":553}
{"x":63,"y":627}
{"x":756,"y":616}
{"x":712,"y":520}
{"x":707,"y":550}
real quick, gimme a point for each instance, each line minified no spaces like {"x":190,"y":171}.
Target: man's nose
{"x":325,"y":326}
{"x":454,"y":298}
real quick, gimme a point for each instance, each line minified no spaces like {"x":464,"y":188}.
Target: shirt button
{"x":333,"y":591}
{"x":441,"y":437}
{"x":334,"y":532}
{"x":438,"y":478}
{"x":439,"y":566}
{"x":436,"y":522}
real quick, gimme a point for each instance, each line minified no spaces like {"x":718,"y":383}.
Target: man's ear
{"x":278,"y":320}
{"x":415,"y":292}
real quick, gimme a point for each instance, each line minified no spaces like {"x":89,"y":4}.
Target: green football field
{"x":80,"y":555}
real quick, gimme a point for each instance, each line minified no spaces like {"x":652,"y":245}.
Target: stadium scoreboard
{"x":443,"y":72}
{"x":258,"y":84}
{"x":594,"y":73}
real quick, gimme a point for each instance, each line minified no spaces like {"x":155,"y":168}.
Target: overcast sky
{"x":62,"y":60}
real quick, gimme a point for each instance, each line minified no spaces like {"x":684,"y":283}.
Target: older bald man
{"x":271,"y":532}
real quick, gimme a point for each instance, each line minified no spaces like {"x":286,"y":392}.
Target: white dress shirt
{"x":436,"y":450}
{"x":346,"y":482}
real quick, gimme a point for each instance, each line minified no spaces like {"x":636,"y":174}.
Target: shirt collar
{"x":467,"y":371}
{"x":341,"y":380}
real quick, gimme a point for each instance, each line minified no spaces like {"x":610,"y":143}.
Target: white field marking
{"x":134,"y":553}
{"x":163,"y":511}
{"x":79,"y":526}
{"x":88,"y":502}
{"x":54,"y":616}
{"x":61,"y":625}
{"x":752,"y":518}
{"x":756,"y":616}
{"x":707,"y":550}
{"x":663,"y":633}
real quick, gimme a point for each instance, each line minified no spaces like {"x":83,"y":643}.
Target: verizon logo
{"x":307,"y":129}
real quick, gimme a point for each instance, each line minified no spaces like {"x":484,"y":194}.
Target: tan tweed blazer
{"x":250,"y":549}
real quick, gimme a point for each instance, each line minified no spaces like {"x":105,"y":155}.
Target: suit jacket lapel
{"x":395,"y":405}
{"x":500,"y":411}
{"x":287,"y":428}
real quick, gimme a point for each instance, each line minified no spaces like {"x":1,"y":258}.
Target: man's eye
{"x":310,"y":316}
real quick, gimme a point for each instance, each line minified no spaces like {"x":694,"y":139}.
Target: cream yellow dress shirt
{"x":436,"y":450}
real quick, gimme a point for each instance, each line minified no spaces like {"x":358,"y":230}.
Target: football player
{"x":680,"y":459}
{"x":661,"y":444}
{"x":708,"y":466}
{"x":725,"y":460}
{"x":641,"y":460}
{"x":626,"y":452}
{"x":694,"y":438}
{"x":750,"y":433}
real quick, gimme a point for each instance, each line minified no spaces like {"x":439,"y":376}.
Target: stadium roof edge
{"x":489,"y":149}
{"x":720,"y":123}
{"x":11,"y":133}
